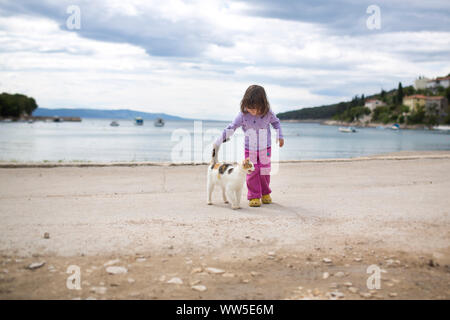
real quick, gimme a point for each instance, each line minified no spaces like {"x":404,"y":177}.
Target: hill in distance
{"x":324,"y":112}
{"x":103,"y":114}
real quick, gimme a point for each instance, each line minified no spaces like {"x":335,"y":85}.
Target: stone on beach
{"x":353,"y":289}
{"x":175,"y":280}
{"x":99,"y":290}
{"x":392,"y":294}
{"x":200,"y":288}
{"x":335,"y":295}
{"x":196,"y":270}
{"x":325,"y":275}
{"x":348,"y":284}
{"x":116,"y":270}
{"x":35,"y":265}
{"x":215,"y":270}
{"x":327,"y":260}
{"x":228,"y":275}
{"x":111,"y":262}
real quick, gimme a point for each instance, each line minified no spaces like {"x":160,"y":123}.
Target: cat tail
{"x":214,"y":155}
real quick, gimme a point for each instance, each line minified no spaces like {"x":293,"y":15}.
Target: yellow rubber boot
{"x":254,"y":203}
{"x":266,"y":199}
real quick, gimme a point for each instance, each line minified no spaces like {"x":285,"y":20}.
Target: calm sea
{"x":185,"y":141}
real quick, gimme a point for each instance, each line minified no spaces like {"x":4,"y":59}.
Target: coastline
{"x":361,"y":124}
{"x":391,"y":214}
{"x":400,"y":155}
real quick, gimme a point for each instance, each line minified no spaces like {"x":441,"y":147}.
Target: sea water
{"x":187,"y":141}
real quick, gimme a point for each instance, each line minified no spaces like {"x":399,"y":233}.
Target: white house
{"x":440,"y":81}
{"x":373,"y":103}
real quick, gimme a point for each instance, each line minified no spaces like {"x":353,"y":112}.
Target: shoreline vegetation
{"x":424,"y":105}
{"x":362,"y":125}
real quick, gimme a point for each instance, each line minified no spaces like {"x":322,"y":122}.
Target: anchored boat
{"x":159,"y":122}
{"x":347,"y":129}
{"x":138,"y":121}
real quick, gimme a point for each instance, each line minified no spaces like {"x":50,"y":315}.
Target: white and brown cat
{"x":230,"y":177}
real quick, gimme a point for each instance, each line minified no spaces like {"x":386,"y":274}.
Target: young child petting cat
{"x":255,"y":118}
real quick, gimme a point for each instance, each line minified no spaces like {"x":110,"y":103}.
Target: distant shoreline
{"x":329,"y":122}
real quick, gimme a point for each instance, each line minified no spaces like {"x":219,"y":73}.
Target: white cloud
{"x":301,"y":64}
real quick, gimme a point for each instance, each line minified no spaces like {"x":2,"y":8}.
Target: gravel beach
{"x":330,"y":221}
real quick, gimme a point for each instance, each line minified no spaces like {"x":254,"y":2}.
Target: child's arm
{"x":229,"y":130}
{"x":275,"y":122}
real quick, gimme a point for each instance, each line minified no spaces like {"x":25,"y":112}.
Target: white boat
{"x":442,"y":127}
{"x":347,"y":129}
{"x":159,"y":122}
{"x":395,"y":126}
{"x":114,"y":124}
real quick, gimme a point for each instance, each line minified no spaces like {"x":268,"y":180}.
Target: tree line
{"x":16,"y":105}
{"x":392,"y":111}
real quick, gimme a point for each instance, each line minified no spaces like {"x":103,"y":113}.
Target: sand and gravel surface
{"x":329,"y":222}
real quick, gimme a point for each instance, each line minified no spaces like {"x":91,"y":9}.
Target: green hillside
{"x":393,"y":111}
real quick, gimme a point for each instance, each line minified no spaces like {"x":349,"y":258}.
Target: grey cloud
{"x":348,"y":17}
{"x":158,"y":36}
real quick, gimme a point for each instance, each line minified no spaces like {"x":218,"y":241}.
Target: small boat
{"x":159,"y":122}
{"x":114,"y":124}
{"x":30,"y":121}
{"x":58,"y":119}
{"x":442,"y":127}
{"x":347,"y":129}
{"x":138,"y":121}
{"x":395,"y":126}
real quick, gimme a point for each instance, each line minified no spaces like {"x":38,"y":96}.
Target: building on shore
{"x":437,"y":106}
{"x":434,"y":105}
{"x":373,"y":103}
{"x":421,"y":83}
{"x":440,"y":81}
{"x":414,"y":101}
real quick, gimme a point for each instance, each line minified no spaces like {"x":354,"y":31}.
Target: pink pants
{"x":258,"y":181}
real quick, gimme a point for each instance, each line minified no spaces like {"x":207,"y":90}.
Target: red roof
{"x":416,"y":96}
{"x":439,"y":79}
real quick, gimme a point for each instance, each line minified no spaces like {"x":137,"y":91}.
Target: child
{"x":254,"y":118}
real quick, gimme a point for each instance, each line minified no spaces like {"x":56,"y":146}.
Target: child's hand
{"x":281,"y":141}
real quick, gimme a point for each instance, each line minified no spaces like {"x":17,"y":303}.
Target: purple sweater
{"x":256,"y":128}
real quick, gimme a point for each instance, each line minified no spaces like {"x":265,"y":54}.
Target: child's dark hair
{"x":255,"y":97}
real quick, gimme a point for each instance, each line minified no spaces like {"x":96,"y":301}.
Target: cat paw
{"x":209,"y":203}
{"x":225,"y":201}
{"x":235,"y":207}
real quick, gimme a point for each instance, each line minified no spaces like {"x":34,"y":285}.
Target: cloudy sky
{"x":196,"y":58}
